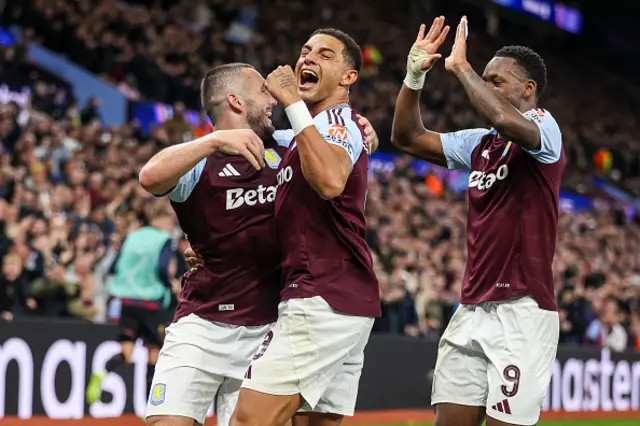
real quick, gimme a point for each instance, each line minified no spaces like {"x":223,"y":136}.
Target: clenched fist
{"x":282,"y":85}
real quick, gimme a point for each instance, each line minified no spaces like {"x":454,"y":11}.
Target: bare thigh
{"x":260,"y":409}
{"x":459,"y":415}
{"x":494,"y":422}
{"x":171,"y":421}
{"x":317,"y":419}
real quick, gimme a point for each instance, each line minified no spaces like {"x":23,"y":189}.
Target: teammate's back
{"x":323,"y":242}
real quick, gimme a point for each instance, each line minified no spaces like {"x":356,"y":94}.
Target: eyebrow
{"x":322,"y":49}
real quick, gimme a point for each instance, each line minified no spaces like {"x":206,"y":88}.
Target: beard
{"x":258,"y":121}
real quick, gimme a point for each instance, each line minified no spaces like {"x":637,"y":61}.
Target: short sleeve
{"x":458,"y":146}
{"x":338,"y":128}
{"x":283,"y":137}
{"x":550,"y":137}
{"x":180,"y":193}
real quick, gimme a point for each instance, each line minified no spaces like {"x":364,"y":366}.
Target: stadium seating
{"x":70,"y":192}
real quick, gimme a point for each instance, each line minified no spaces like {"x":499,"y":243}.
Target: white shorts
{"x":314,"y":351}
{"x":201,"y":361}
{"x":498,"y":355}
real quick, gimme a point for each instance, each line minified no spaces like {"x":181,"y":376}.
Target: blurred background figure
{"x":68,"y":175}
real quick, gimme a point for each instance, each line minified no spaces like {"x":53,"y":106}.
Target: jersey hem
{"x":464,"y":301}
{"x":222,"y":320}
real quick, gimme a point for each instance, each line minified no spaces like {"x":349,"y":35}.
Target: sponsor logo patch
{"x":158,"y":393}
{"x":535,"y":115}
{"x":227,"y":307}
{"x":340,"y":142}
{"x":338,"y":132}
{"x":238,"y":197}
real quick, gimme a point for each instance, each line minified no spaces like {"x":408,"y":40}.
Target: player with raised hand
{"x":496,"y":356}
{"x":330,"y":295}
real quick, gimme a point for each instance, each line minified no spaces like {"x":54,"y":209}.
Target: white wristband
{"x":299,"y":117}
{"x":414,"y":82}
{"x":415,"y":74}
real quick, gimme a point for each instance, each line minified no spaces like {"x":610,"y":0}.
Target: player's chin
{"x":268,"y":128}
{"x":309,"y":95}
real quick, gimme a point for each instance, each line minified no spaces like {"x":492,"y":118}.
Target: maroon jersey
{"x":226,"y":208}
{"x":324,"y":251}
{"x":513,"y":211}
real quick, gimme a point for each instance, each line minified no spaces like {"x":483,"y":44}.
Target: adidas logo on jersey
{"x":228,"y":170}
{"x":238,"y":197}
{"x":502,"y":406}
{"x":484,"y":181}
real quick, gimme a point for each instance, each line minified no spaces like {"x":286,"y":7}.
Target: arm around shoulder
{"x":163,"y":171}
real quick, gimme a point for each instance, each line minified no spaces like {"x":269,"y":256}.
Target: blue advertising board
{"x":559,"y":15}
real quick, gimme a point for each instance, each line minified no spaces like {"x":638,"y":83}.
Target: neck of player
{"x":231,"y":123}
{"x":527,"y":106}
{"x":317,"y":107}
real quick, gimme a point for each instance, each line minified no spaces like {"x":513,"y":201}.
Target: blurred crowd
{"x":70,"y":195}
{"x":418,"y":239}
{"x":69,"y":186}
{"x":159,"y":49}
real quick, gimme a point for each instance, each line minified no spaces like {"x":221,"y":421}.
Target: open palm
{"x":426,"y":46}
{"x":458,"y":56}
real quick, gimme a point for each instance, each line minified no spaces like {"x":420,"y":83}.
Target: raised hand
{"x":457,"y":60}
{"x":424,"y":52}
{"x":241,"y":142}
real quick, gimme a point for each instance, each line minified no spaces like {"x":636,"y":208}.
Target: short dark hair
{"x":215,"y":85}
{"x":530,"y":62}
{"x":352,"y":52}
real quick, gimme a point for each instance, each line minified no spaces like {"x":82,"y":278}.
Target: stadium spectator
{"x":91,"y":111}
{"x":14,"y":289}
{"x":177,"y":128}
{"x":162,"y":49}
{"x":607,"y":331}
{"x":58,"y":297}
{"x":68,"y":177}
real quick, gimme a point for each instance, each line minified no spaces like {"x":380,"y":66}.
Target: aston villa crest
{"x":272,"y":158}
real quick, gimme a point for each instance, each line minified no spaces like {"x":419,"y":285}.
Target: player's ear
{"x":349,"y":78}
{"x":235,"y":102}
{"x":530,"y":88}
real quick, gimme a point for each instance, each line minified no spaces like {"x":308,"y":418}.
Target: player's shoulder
{"x":229,"y":166}
{"x":341,"y":114}
{"x":283,"y":139}
{"x":540,"y":116}
{"x":338,"y":120}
